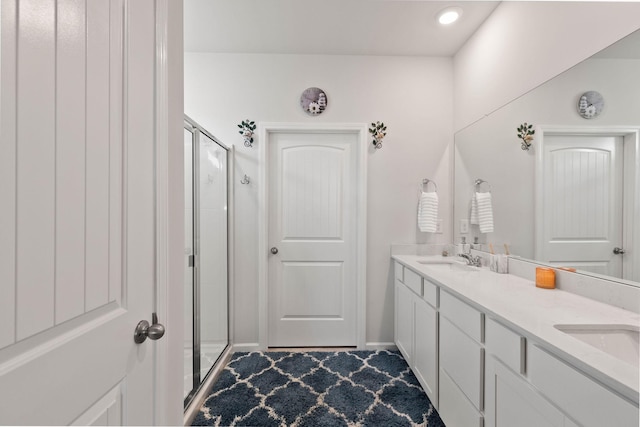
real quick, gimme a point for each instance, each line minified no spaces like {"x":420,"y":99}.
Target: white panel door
{"x":77,"y":244}
{"x":312,"y":211}
{"x":582,"y":205}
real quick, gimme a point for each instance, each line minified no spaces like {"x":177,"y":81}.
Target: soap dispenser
{"x":476,"y":243}
{"x":462,"y":247}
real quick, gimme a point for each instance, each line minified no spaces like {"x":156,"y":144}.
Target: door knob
{"x":144,"y":330}
{"x":618,"y":251}
{"x":274,"y":250}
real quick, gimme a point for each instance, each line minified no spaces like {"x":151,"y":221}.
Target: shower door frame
{"x":196,"y":129}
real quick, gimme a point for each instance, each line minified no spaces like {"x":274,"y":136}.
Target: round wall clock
{"x":313,"y":101}
{"x":590,"y":104}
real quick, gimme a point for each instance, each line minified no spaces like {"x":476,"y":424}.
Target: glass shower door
{"x":206,"y":261}
{"x":189,"y":271}
{"x":213,"y":252}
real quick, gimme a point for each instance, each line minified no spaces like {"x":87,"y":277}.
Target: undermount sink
{"x":446,"y":264}
{"x":620,"y":341}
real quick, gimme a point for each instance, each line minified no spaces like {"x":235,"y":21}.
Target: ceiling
{"x":338,"y":27}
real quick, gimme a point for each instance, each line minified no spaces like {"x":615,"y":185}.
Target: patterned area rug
{"x":345,"y":388}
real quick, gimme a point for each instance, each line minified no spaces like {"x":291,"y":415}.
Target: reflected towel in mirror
{"x":473,"y":216}
{"x":485,"y":212}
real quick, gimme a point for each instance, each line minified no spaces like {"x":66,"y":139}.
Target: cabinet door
{"x":425,"y":364}
{"x":404,"y":321}
{"x":463,"y":360}
{"x":588,"y":402}
{"x":511,"y":401}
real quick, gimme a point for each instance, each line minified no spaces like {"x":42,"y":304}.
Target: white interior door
{"x":582,"y":202}
{"x":312,"y":225}
{"x":77,"y":244}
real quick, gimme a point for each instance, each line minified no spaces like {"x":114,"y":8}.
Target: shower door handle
{"x":144,"y":330}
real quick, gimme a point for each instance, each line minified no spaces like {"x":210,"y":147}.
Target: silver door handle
{"x":274,"y":250}
{"x":144,"y":330}
{"x":618,"y":251}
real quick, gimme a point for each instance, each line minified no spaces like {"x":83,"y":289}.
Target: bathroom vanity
{"x":494,"y":350}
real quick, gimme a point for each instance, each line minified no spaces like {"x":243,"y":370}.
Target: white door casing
{"x":78,"y":216}
{"x":313,"y":209}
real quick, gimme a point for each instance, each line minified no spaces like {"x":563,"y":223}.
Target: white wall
{"x":523,"y":44}
{"x":413,"y":96}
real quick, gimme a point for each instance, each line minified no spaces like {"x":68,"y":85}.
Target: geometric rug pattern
{"x":343,"y":388}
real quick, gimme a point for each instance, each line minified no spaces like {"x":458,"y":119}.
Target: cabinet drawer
{"x":506,"y":345}
{"x":399,"y":268}
{"x":430,"y":293}
{"x":580,"y":397}
{"x":463,"y":360}
{"x":413,"y":281}
{"x":462,"y":315}
{"x":454,"y":409}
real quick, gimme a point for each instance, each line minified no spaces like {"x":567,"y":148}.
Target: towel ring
{"x":425,"y":182}
{"x":480,"y":182}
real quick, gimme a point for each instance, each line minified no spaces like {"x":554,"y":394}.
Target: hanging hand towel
{"x":428,"y":212}
{"x":473,"y":216}
{"x":485,"y":212}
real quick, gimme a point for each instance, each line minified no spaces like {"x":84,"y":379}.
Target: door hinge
{"x":192,"y":260}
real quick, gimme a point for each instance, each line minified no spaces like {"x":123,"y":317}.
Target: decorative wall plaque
{"x":313,"y":101}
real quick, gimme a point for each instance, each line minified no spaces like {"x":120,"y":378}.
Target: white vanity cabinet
{"x":404,"y":313}
{"x":512,"y":401}
{"x":580,"y":397}
{"x":416,"y":327}
{"x":509,"y":398}
{"x":461,"y":363}
{"x":479,"y":371}
{"x":425,"y":363}
{"x":544,"y":391}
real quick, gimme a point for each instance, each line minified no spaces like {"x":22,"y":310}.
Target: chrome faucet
{"x":476,"y":261}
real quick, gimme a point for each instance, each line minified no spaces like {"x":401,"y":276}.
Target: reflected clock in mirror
{"x":590,"y":104}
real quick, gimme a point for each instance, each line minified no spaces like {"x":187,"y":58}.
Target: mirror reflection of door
{"x":583,"y":202}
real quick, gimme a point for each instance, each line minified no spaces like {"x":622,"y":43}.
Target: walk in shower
{"x":206,"y":283}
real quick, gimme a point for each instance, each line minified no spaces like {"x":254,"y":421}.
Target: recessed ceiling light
{"x":449,"y":15}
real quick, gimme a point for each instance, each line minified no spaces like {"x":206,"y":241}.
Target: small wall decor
{"x":313,"y":101}
{"x":525,"y":133}
{"x":378,"y":130}
{"x":590,"y":104}
{"x":246,"y":130}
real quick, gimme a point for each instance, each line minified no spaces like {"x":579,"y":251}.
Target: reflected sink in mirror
{"x":620,"y":341}
{"x":446,"y":264}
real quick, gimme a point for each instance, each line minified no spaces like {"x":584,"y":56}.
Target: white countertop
{"x":533,"y":312}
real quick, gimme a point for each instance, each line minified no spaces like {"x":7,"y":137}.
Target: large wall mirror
{"x":573,"y":198}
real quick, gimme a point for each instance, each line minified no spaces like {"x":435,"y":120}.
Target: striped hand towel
{"x":485,"y":212}
{"x":428,"y":212}
{"x":473,"y":216}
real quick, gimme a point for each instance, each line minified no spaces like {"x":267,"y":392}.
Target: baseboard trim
{"x":253,"y":346}
{"x":245,"y":347}
{"x":381,"y":346}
